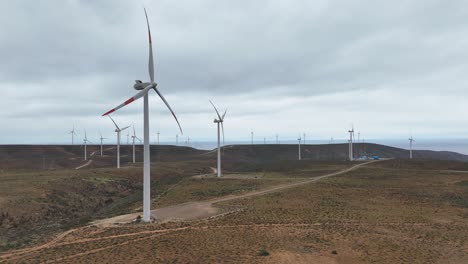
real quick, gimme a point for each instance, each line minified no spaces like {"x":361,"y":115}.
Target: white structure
{"x":118,"y":130}
{"x":101,"y":138}
{"x":304,"y":138}
{"x":72,"y":132}
{"x":220,"y":123}
{"x":299,"y":140}
{"x":85,"y":143}
{"x":251,"y":137}
{"x":351,"y":135}
{"x":158,"y":136}
{"x":411,"y":147}
{"x":133,"y":142}
{"x":144,"y":88}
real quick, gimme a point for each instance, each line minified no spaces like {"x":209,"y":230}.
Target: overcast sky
{"x":280,"y":67}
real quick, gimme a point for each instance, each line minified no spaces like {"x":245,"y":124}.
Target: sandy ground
{"x":205,"y":209}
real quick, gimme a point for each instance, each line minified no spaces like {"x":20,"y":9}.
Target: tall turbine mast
{"x":351,"y":135}
{"x":299,"y":140}
{"x":220,"y":124}
{"x":411,"y":147}
{"x":143,"y":88}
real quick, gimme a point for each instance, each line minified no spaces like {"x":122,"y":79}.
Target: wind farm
{"x":315,"y":165}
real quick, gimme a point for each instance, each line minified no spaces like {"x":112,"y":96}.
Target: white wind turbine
{"x":118,"y":130}
{"x":411,"y":147}
{"x":101,"y":138}
{"x":144,"y":88}
{"x":219,"y":122}
{"x":133,"y":142}
{"x":351,"y":135}
{"x":299,"y":140}
{"x":72,"y":132}
{"x":85,"y":143}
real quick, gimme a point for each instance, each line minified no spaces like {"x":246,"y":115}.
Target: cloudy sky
{"x":284,"y":66}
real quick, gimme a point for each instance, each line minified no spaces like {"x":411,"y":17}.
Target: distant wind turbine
{"x":133,"y":142}
{"x":101,"y":138}
{"x":158,"y":136}
{"x":144,"y":88}
{"x":118,"y":130}
{"x":85,"y":143}
{"x":72,"y":132}
{"x":411,"y":140}
{"x":220,"y":124}
{"x":177,"y":139}
{"x":251,"y":137}
{"x":299,"y":140}
{"x":351,"y":135}
{"x":305,"y":138}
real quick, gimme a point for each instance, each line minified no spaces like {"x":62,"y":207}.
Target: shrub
{"x":263,"y":252}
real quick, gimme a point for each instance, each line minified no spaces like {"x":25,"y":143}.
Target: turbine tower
{"x":276,"y":138}
{"x":304,"y":138}
{"x":299,"y":140}
{"x":133,"y":142}
{"x":157,"y":135}
{"x":351,"y":134}
{"x":85,"y":143}
{"x":101,"y":138}
{"x":144,"y":88}
{"x":177,"y":139}
{"x":411,"y":147}
{"x":220,"y":123}
{"x":118,"y":130}
{"x":251,"y":137}
{"x":72,"y":132}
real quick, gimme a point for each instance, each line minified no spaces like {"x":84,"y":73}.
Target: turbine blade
{"x":150,"y":61}
{"x":170,"y":109}
{"x":132,"y":99}
{"x":114,"y":122}
{"x":219,"y":116}
{"x":224,"y":114}
{"x":134,"y":131}
{"x":125,"y":128}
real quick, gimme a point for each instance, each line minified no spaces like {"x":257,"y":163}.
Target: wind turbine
{"x":144,"y":88}
{"x":158,"y":136}
{"x":304,"y":138}
{"x":351,"y":135}
{"x":133,"y":142}
{"x":128,"y":137}
{"x":118,"y":130}
{"x":85,"y":143}
{"x":177,"y":139}
{"x":72,"y":132}
{"x":219,"y":123}
{"x":411,"y":147}
{"x":277,"y":139}
{"x":299,"y":140}
{"x":251,"y":137}
{"x":101,"y":138}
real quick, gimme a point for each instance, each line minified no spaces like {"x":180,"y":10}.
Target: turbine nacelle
{"x":139,"y":85}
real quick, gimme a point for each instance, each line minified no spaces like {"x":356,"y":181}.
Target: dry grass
{"x":389,"y":212}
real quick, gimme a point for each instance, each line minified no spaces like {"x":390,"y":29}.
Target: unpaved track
{"x":183,"y":212}
{"x":203,"y":209}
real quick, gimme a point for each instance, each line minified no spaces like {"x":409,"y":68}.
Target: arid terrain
{"x":267,"y":209}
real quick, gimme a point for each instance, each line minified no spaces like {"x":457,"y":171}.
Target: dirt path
{"x":204,"y":209}
{"x":84,"y":165}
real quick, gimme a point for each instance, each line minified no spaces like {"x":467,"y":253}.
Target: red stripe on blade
{"x":129,"y":101}
{"x":108,"y":112}
{"x":149,"y":35}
